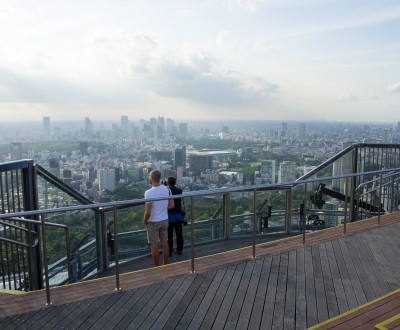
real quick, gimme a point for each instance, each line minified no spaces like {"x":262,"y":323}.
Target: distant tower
{"x":182,"y":129}
{"x":180,"y":160}
{"x":225,"y":129}
{"x":46,"y":127}
{"x":302,"y":131}
{"x":385,"y":135}
{"x":16,"y":151}
{"x":284,"y":127}
{"x":88,"y":128}
{"x":124,"y":125}
{"x":170,"y":126}
{"x":83,"y":147}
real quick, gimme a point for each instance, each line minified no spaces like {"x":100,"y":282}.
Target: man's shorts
{"x":157,"y":231}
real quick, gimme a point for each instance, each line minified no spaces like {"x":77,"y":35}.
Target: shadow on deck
{"x":287,"y":286}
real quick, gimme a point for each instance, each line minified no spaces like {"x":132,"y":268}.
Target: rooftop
{"x":289,"y":285}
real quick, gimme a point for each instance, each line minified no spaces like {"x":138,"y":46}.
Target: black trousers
{"x":177,"y":226}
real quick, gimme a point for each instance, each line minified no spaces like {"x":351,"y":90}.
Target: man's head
{"x":155,"y":176}
{"x":171,"y":181}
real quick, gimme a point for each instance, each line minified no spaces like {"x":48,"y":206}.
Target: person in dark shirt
{"x":175,"y":218}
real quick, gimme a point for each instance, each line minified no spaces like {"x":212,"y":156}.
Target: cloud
{"x":250,"y":5}
{"x":348,"y":98}
{"x":394,"y":88}
{"x":198,"y":81}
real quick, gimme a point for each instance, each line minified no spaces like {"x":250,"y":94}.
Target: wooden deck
{"x":288,"y":286}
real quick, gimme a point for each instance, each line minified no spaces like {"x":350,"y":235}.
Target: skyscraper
{"x":124,"y":125}
{"x":46,"y":127}
{"x":287,"y":171}
{"x":106,"y":179}
{"x":88,"y":128}
{"x":180,"y":159}
{"x":302,"y":131}
{"x":182,"y":129}
{"x":267,"y":171}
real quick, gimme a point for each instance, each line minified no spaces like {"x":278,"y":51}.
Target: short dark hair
{"x":171,"y":180}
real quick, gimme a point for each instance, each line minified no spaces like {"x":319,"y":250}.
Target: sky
{"x":200,"y":60}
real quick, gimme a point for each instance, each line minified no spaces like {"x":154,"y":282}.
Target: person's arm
{"x":171,"y":203}
{"x":147,"y":213}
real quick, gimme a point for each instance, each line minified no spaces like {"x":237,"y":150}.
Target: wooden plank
{"x":280,"y":299}
{"x":57,"y":315}
{"x":118,"y":301}
{"x":355,"y":281}
{"x":207,"y":300}
{"x":20,"y":320}
{"x":145,"y":307}
{"x":259,"y":301}
{"x":160,"y":314}
{"x":384,"y":258}
{"x":186,"y":309}
{"x":218,"y":298}
{"x":96,"y":307}
{"x":239,"y":298}
{"x":269,"y":305}
{"x":134,"y":306}
{"x":337,"y":282}
{"x":320,"y":292}
{"x":301,"y":307}
{"x":289,"y":315}
{"x":359,"y":268}
{"x":366,"y":261}
{"x":330,"y":294}
{"x":344,"y":275}
{"x":311,"y":301}
{"x":223,"y":312}
{"x":250,"y":297}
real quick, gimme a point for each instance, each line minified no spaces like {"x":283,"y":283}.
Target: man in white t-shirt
{"x":156,"y":217}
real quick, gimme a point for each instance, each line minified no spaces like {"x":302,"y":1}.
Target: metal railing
{"x":294,"y":217}
{"x":113,"y":232}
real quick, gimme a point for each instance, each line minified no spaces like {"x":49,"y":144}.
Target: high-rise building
{"x":66,"y":176}
{"x":284,"y":127}
{"x":88,"y":128}
{"x":330,"y":218}
{"x":124,"y":125}
{"x":54,"y":167}
{"x":170,"y":126}
{"x":267,"y":171}
{"x":302,"y":132}
{"x":182,"y":129}
{"x":46,"y":127}
{"x":287,"y":171}
{"x":83,"y":147}
{"x":106,"y":179}
{"x":199,"y":163}
{"x":225,"y":129}
{"x":16,"y":151}
{"x":180,"y":159}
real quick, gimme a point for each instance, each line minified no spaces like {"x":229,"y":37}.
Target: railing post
{"x":103,"y":233}
{"x":288,"y":217}
{"x":29,"y":188}
{"x":392,"y":194}
{"x":227,"y":214}
{"x":353,"y":206}
{"x":192,"y":232}
{"x":45,"y":261}
{"x":380,"y":199}
{"x":254,"y":222}
{"x":346,"y":184}
{"x":117,"y":286}
{"x":303,"y":214}
{"x":100,"y":241}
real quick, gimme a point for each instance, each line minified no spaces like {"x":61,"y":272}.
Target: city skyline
{"x":207,"y":60}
